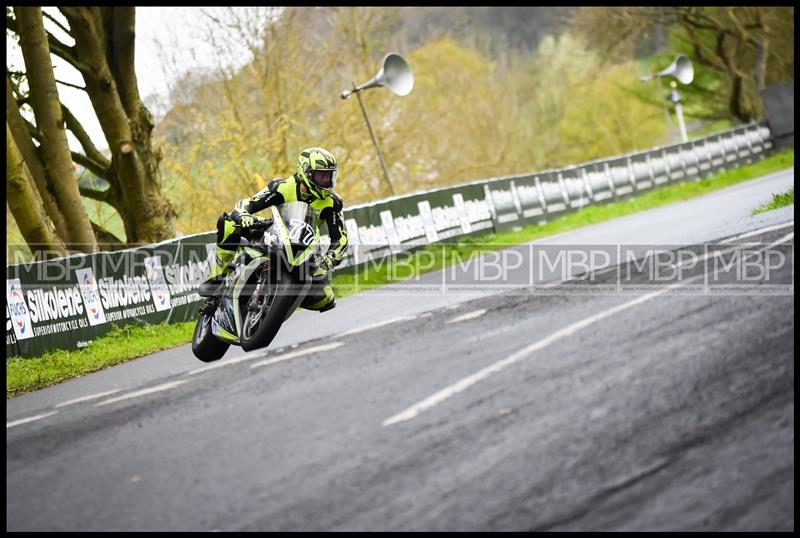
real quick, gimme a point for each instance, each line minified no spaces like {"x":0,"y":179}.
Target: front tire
{"x":206,"y":346}
{"x":260,"y":327}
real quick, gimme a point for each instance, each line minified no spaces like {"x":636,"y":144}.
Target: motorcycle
{"x":271,"y":275}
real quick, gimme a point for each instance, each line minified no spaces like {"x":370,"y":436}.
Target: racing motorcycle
{"x":271,"y":275}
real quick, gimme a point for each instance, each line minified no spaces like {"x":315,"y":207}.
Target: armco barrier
{"x":380,"y":228}
{"x":66,"y":303}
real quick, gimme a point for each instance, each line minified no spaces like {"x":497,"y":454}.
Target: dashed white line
{"x":468,"y":381}
{"x":376,"y":325}
{"x":295,"y":354}
{"x":226,"y":362}
{"x":144,"y":392}
{"x":468,"y":315}
{"x":756,"y":232}
{"x":29,"y":419}
{"x":87,"y":398}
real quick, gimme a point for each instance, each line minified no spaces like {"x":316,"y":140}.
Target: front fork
{"x":253,"y":304}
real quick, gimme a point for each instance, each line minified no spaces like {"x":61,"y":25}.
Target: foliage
{"x":616,"y":128}
{"x":468,"y":117}
{"x":778,"y":200}
{"x":483,"y":104}
{"x":746,"y":47}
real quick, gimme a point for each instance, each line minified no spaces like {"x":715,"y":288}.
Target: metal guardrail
{"x":395,"y":224}
{"x":67,"y":302}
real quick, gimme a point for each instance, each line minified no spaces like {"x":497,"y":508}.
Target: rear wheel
{"x":206,"y":346}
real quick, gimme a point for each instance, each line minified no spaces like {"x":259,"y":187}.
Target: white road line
{"x":29,"y":419}
{"x":756,"y":232}
{"x":86,"y":398}
{"x":525,"y":352}
{"x":144,"y":392}
{"x":375,"y":325}
{"x":468,"y":315}
{"x":226,"y":362}
{"x":295,"y":354}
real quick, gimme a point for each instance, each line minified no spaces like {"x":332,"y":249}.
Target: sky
{"x":168,"y":39}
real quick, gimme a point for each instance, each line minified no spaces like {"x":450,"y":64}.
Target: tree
{"x":26,"y":205}
{"x":749,"y":47}
{"x":103,"y":53}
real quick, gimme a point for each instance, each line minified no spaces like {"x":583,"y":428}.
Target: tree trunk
{"x":761,"y":62}
{"x":26,"y":205}
{"x":50,"y":125}
{"x":31,"y":159}
{"x":737,"y":104}
{"x":104,"y":41}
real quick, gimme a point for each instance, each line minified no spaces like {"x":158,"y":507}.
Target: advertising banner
{"x":68,"y":302}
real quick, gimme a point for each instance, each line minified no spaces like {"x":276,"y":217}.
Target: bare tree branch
{"x":95,"y":167}
{"x":56,"y":22}
{"x":70,"y":85}
{"x":100,"y":196}
{"x":106,"y":240}
{"x":121,"y":56}
{"x":86,"y":142}
{"x":32,"y":130}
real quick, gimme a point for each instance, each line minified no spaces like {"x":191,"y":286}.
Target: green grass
{"x":121,"y":345}
{"x":778,"y":200}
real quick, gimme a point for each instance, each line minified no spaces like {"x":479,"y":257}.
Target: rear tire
{"x":206,"y":346}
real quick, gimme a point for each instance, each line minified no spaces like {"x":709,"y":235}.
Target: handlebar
{"x":258,"y":223}
{"x":256,"y":228}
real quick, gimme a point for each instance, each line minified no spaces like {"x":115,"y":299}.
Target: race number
{"x":300,"y":232}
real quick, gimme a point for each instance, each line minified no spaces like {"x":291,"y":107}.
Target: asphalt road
{"x":521,"y":410}
{"x":719,"y":214}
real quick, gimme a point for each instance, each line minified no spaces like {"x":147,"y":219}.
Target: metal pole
{"x":375,"y":141}
{"x":676,"y":99}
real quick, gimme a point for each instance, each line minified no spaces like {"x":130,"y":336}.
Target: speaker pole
{"x":374,"y":141}
{"x":681,"y":69}
{"x":395,"y":75}
{"x":676,"y":100}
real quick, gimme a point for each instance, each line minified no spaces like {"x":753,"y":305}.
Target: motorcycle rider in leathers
{"x":313,"y":183}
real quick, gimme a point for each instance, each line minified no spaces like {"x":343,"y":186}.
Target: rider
{"x":313,"y":183}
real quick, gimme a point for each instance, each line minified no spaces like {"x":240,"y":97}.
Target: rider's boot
{"x":213,"y":286}
{"x":330,"y":306}
{"x":322,"y":301}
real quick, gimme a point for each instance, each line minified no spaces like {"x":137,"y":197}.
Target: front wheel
{"x":206,"y":346}
{"x":266,"y":313}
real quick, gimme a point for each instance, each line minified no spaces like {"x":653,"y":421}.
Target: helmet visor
{"x":324,"y":179}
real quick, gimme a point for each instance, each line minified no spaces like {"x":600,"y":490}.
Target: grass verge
{"x":778,"y":200}
{"x":119,"y":345}
{"x":123,"y":344}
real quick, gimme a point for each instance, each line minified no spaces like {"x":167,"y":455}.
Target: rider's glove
{"x":324,"y":263}
{"x":246,"y":220}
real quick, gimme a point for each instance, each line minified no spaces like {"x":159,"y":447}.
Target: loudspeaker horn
{"x":394,"y":74}
{"x":681,"y":69}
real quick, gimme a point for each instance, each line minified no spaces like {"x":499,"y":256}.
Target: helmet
{"x":316,"y":168}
